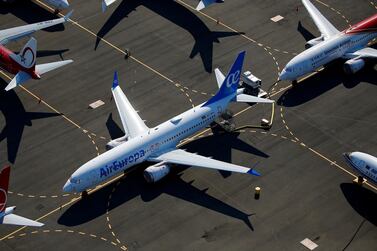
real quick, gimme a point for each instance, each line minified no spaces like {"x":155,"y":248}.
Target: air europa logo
{"x":3,"y":199}
{"x":233,"y":79}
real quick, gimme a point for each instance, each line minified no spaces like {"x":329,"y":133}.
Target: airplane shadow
{"x":177,"y":14}
{"x":47,"y":53}
{"x":30,"y":13}
{"x":113,"y":128}
{"x":304,"y":32}
{"x":220,"y":147}
{"x":16,"y":118}
{"x":134,"y":185}
{"x":362,"y":200}
{"x":324,"y":81}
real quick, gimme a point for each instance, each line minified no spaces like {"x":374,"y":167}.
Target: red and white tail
{"x":28,"y":55}
{"x":4,"y":184}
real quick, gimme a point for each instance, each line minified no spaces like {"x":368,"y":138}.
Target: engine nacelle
{"x":313,"y":42}
{"x":156,"y":172}
{"x":353,"y":65}
{"x":116,"y":142}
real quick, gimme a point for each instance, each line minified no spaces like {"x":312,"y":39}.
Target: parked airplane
{"x":58,"y":4}
{"x":6,"y":213}
{"x":350,"y":44}
{"x":23,"y":64}
{"x":364,"y":163}
{"x":158,"y":144}
{"x":202,"y":4}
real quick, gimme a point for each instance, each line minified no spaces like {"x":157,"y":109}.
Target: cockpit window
{"x":288,"y":69}
{"x":74,"y":180}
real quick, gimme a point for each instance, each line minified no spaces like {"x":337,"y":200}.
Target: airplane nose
{"x":65,"y":4}
{"x":283,"y":75}
{"x":68,"y":188}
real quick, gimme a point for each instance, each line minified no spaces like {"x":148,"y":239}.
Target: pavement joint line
{"x":224,"y":25}
{"x":115,"y":178}
{"x":112,"y":45}
{"x":108,"y":211}
{"x":67,"y":231}
{"x":335,"y":10}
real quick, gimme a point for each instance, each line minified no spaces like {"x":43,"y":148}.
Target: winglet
{"x":66,"y":17}
{"x":115,"y":81}
{"x":253,"y":172}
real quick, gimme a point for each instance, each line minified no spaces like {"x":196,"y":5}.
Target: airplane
{"x":202,"y":4}
{"x":350,"y":44}
{"x":158,"y":144}
{"x":57,"y":4}
{"x":6,"y":213}
{"x":363,"y":163}
{"x":23,"y":64}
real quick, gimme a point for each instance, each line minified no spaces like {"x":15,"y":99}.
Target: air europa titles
{"x":116,"y":165}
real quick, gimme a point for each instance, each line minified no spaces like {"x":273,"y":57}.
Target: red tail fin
{"x":4,"y":183}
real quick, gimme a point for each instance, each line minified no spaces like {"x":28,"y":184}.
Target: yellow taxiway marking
{"x":119,"y":50}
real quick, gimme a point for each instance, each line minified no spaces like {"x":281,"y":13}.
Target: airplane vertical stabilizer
{"x":230,"y":83}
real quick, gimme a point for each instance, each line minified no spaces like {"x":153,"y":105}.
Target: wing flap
{"x":323,"y":25}
{"x":363,"y":53}
{"x":133,"y":125}
{"x":181,"y":157}
{"x":13,"y":219}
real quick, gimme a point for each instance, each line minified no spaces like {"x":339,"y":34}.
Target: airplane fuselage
{"x":162,"y":137}
{"x":347,"y":41}
{"x":363,"y":163}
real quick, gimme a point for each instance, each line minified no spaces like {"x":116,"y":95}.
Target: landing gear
{"x":294,"y":83}
{"x":84,"y":194}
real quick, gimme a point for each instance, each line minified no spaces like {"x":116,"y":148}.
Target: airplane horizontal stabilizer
{"x":13,"y":219}
{"x":44,"y":68}
{"x":19,"y":79}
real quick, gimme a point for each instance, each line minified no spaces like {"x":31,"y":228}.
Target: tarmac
{"x":47,"y":130}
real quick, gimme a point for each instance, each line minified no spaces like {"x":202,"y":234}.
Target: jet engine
{"x":156,"y":172}
{"x":116,"y":142}
{"x":313,"y":42}
{"x":353,"y":65}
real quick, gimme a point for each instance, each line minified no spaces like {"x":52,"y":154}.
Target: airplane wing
{"x":22,"y":31}
{"x":133,"y":125}
{"x":366,"y":52}
{"x":323,"y":25}
{"x":204,"y":3}
{"x":13,"y":219}
{"x":106,"y":3}
{"x":181,"y":157}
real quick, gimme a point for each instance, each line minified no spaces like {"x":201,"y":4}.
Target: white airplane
{"x":364,"y":163}
{"x":158,"y":144}
{"x":350,"y":44}
{"x":58,"y":4}
{"x":6,"y":213}
{"x":23,"y":65}
{"x":202,"y":4}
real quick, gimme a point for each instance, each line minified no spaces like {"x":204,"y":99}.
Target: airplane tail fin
{"x":230,"y":83}
{"x":4,"y":184}
{"x":106,"y":3}
{"x":205,"y":3}
{"x":241,"y":97}
{"x":28,"y":55}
